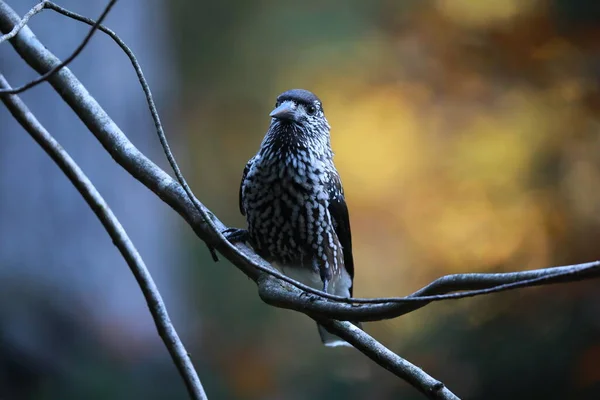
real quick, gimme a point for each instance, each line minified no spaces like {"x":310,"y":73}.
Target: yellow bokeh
{"x":377,"y":142}
{"x":482,"y":13}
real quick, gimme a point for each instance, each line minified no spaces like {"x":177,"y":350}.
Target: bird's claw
{"x":236,"y":235}
{"x":309,"y":296}
{"x":304,"y":294}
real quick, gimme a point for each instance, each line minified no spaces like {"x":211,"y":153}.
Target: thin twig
{"x":36,"y":9}
{"x":151,"y":105}
{"x":117,"y":233}
{"x":56,"y":68}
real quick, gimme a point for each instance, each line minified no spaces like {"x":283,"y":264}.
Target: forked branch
{"x":274,"y":288}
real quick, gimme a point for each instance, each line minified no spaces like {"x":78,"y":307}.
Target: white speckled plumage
{"x":292,"y":198}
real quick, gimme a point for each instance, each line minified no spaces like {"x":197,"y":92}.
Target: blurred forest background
{"x":467,"y":137}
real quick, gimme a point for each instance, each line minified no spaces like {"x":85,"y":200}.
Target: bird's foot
{"x":236,"y":235}
{"x":310,"y":297}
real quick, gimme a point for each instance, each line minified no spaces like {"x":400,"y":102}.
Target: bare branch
{"x":274,"y":288}
{"x":280,"y":294}
{"x":430,"y":387}
{"x":117,"y":233}
{"x":482,"y":283}
{"x":36,"y":9}
{"x":204,"y":223}
{"x":48,"y":74}
{"x":149,"y":99}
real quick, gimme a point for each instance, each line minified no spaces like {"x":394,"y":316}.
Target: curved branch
{"x":36,"y":9}
{"x":283,"y":295}
{"x":149,"y":99}
{"x":48,"y":74}
{"x":117,"y":233}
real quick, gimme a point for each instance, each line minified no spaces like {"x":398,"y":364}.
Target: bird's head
{"x":300,"y":113}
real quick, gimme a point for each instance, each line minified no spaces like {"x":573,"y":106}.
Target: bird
{"x":292,"y":197}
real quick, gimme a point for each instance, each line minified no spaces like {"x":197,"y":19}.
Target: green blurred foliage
{"x":466,"y":134}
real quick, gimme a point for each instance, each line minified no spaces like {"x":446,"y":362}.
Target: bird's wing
{"x":341,"y":223}
{"x":246,"y":169}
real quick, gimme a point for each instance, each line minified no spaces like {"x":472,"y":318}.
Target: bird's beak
{"x":286,"y":111}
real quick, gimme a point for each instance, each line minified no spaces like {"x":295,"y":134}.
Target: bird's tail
{"x":331,"y":340}
{"x":340,"y":285}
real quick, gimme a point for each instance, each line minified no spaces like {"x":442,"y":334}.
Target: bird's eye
{"x":311,"y":110}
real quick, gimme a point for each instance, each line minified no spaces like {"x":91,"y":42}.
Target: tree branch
{"x":149,"y":99}
{"x":36,"y":9}
{"x":117,"y":233}
{"x":430,"y":387}
{"x":283,"y":295}
{"x":274,"y":288}
{"x":46,"y":75}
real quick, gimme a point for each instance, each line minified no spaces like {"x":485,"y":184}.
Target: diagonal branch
{"x":138,"y":70}
{"x":117,"y":233}
{"x":429,"y":386}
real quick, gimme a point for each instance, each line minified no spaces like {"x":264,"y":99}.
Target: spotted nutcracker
{"x":293,"y":200}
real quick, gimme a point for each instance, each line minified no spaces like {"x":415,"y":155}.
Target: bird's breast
{"x":286,"y":204}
